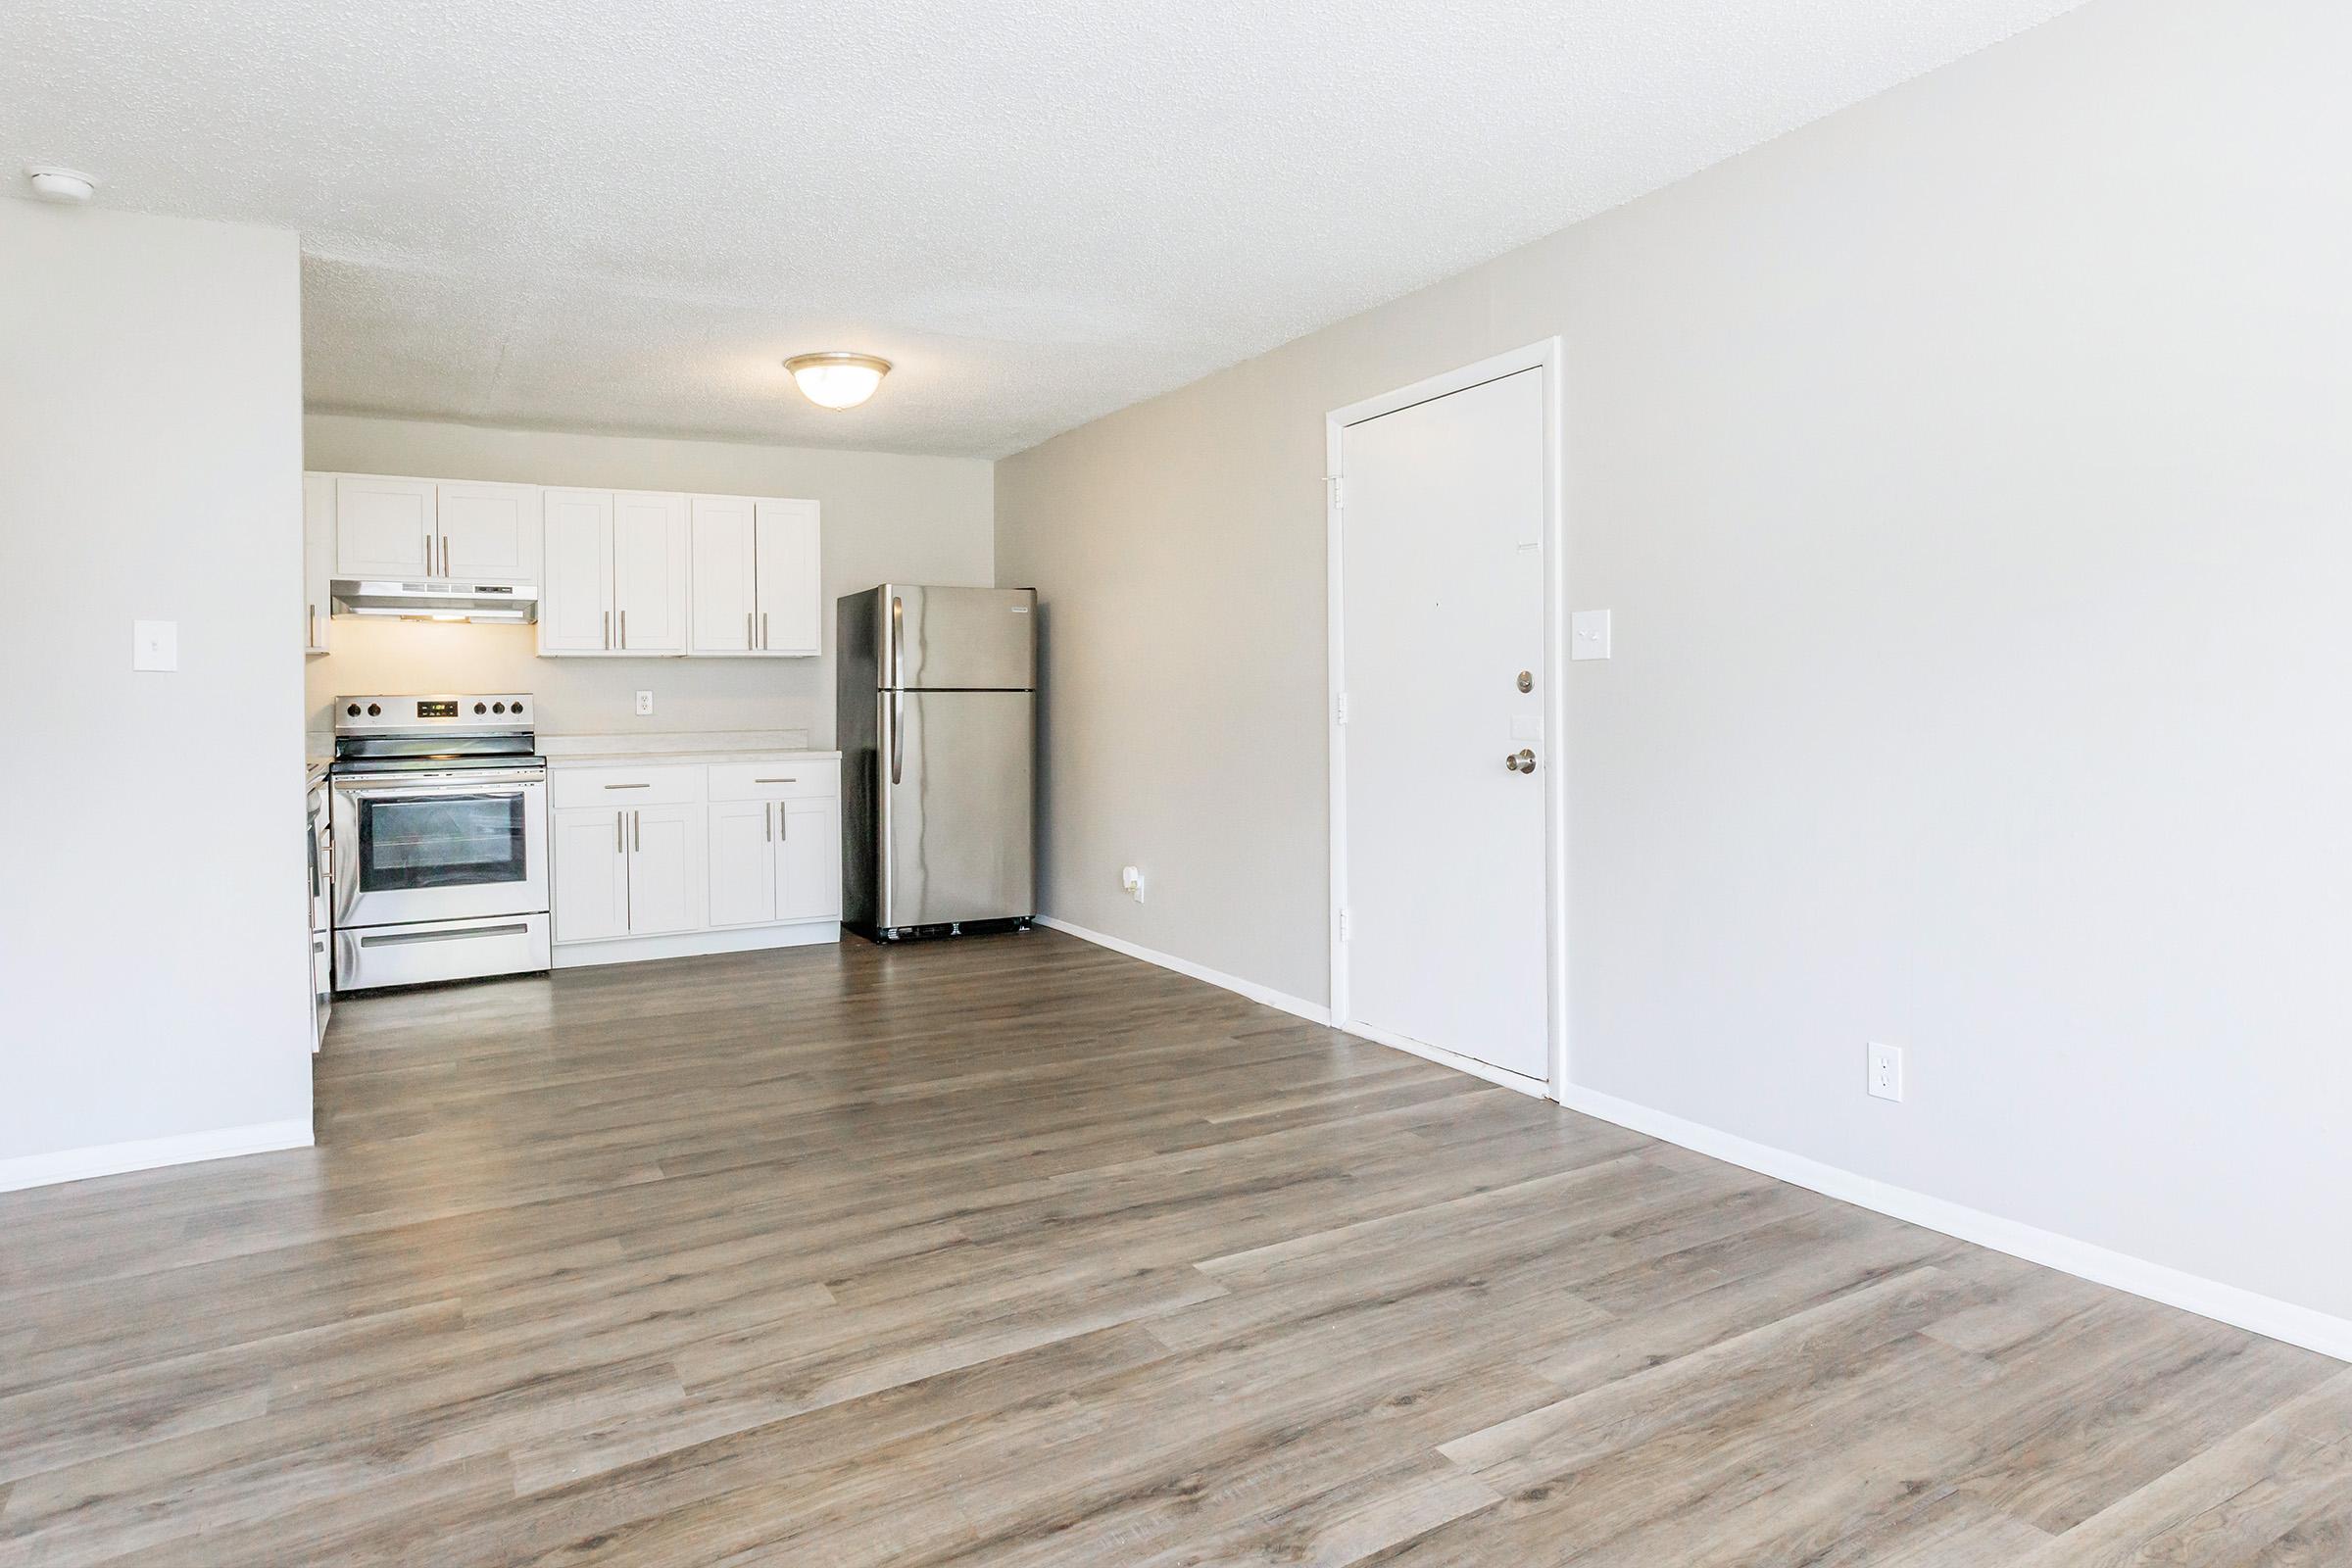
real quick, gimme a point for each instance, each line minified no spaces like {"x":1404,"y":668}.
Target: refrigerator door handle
{"x":898,"y":733}
{"x":897,"y":645}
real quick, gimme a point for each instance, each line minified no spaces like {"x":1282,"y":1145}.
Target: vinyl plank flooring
{"x":1016,"y":1252}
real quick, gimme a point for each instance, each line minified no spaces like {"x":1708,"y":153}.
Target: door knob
{"x":1521,"y":760}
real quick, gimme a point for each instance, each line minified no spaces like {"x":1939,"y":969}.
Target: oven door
{"x":439,"y":847}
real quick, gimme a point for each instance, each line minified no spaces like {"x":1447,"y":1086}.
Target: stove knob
{"x":373,"y":710}
{"x":518,"y":707}
{"x":352,"y":709}
{"x":497,"y":708}
{"x":477,"y":707}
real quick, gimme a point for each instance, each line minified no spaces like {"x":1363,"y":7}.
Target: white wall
{"x":1968,"y":475}
{"x":887,"y":518}
{"x":154,"y":927}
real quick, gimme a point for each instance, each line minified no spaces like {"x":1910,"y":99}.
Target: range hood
{"x":436,"y":599}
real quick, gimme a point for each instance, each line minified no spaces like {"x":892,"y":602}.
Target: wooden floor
{"x":1016,"y":1251}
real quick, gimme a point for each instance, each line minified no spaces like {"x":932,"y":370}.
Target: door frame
{"x":1543,"y":356}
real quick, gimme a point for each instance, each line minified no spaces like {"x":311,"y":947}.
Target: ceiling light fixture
{"x":836,"y":380}
{"x":64,"y":186}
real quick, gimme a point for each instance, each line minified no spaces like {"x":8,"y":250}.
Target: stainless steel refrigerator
{"x":937,"y":716}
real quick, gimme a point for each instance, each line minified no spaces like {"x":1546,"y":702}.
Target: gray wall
{"x":154,"y":933}
{"x":1968,"y":475}
{"x":887,"y":518}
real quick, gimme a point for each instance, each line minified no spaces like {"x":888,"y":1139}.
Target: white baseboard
{"x":1448,"y":1059}
{"x":694,"y":944}
{"x":1312,"y":1011}
{"x":2226,"y":1304}
{"x":151,"y":1154}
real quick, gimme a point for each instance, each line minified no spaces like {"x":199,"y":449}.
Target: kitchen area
{"x":493,"y":790}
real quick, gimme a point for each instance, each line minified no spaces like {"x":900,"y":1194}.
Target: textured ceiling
{"x":623,"y":214}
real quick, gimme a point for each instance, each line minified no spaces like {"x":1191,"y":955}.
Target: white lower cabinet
{"x":666,"y":870}
{"x":673,"y":851}
{"x":591,"y":889}
{"x":776,"y":859}
{"x":742,"y":862}
{"x":808,"y":860}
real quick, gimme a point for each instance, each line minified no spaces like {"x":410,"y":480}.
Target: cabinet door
{"x":489,"y":532}
{"x":722,"y":575}
{"x":808,"y":860}
{"x":384,"y":528}
{"x":575,"y":588}
{"x":742,"y":862}
{"x":318,"y":559}
{"x":668,"y":853}
{"x":791,"y":575}
{"x":648,"y":574}
{"x":591,"y":887}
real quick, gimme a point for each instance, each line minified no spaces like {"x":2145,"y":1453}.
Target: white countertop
{"x":708,"y":746}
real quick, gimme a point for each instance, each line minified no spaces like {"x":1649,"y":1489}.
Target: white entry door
{"x":1440,"y":646}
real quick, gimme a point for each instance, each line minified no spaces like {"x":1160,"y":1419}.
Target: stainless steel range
{"x":440,"y":839}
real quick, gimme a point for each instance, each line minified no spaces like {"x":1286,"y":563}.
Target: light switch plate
{"x":155,"y":644}
{"x":1589,"y":634}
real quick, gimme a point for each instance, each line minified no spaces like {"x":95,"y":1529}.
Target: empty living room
{"x":1540,"y":783}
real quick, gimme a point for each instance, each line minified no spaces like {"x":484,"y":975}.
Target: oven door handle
{"x":441,"y":784}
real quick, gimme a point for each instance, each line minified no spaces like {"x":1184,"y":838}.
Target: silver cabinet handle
{"x":764,"y":628}
{"x":783,"y":824}
{"x":608,"y":629}
{"x":897,"y":651}
{"x":636,"y":831}
{"x":624,"y":628}
{"x":621,"y":845}
{"x":644,"y":786}
{"x":775,"y":781}
{"x":747,"y":632}
{"x":767,"y":821}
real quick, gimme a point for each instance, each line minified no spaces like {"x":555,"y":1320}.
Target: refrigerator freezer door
{"x":958,"y":639}
{"x":955,"y":788}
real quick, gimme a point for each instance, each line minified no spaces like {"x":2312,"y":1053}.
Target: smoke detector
{"x":64,"y":186}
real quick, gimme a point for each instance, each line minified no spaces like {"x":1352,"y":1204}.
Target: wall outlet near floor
{"x":1133,"y":881}
{"x":1885,"y":1071}
{"x":645,"y":705}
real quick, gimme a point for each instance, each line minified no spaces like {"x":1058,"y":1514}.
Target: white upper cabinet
{"x":575,"y":588}
{"x":649,"y":573}
{"x":408,"y":528}
{"x":489,"y":532}
{"x":614,"y":579}
{"x":385,"y":527}
{"x":758,"y":577}
{"x":318,"y":559}
{"x":791,"y":587}
{"x":725,"y":607}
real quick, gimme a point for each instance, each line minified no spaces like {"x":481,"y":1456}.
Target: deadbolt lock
{"x":1527,"y":681}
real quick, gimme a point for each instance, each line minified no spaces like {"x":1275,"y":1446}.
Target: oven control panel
{"x":398,"y":716}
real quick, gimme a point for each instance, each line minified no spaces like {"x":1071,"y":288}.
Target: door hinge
{"x":1339,"y":709}
{"x":1339,"y":491}
{"x":1345,"y":932}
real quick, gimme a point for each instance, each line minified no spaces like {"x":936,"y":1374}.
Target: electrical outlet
{"x":155,"y":644}
{"x":1885,"y":1071}
{"x":645,"y":705}
{"x":1133,"y":881}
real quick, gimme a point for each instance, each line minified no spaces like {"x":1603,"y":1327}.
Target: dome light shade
{"x":836,"y":380}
